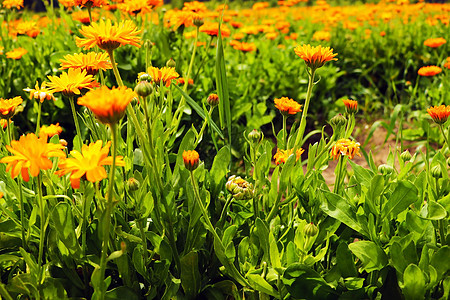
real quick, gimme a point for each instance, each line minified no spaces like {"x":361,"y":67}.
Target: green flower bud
{"x":310,"y":229}
{"x":239,"y":188}
{"x":133,"y":184}
{"x":385,"y":169}
{"x":254,"y":136}
{"x":171,"y":63}
{"x":436,"y":171}
{"x":198,"y":21}
{"x":338,"y":121}
{"x":405,"y":156}
{"x":144,"y":88}
{"x":145,"y":77}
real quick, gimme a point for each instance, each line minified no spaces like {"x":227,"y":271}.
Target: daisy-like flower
{"x":16,"y":53}
{"x":322,"y":36}
{"x":29,"y":28}
{"x":50,"y":130}
{"x":435,"y":42}
{"x":88,"y":164}
{"x":287,"y":106}
{"x":91,"y":62}
{"x":244,"y":47}
{"x":4,"y":123}
{"x":429,"y":71}
{"x":345,"y":147}
{"x":8,"y":106}
{"x":13,"y":3}
{"x":351,"y":106}
{"x":71,"y":83}
{"x":191,"y":159}
{"x":165,"y":74}
{"x":282,"y":155}
{"x":315,"y":57}
{"x":42,"y":93}
{"x":212,"y":29}
{"x":30,"y":156}
{"x":447,"y":63}
{"x":91,"y":3}
{"x":108,"y":105}
{"x":133,"y":6}
{"x":439,"y":114}
{"x":83,"y":16}
{"x":109,"y":37}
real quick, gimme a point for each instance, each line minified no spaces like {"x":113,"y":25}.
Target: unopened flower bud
{"x":198,"y":21}
{"x":436,"y":171}
{"x":239,"y":188}
{"x":254,"y":136}
{"x":338,"y":121}
{"x":310,"y":229}
{"x":145,"y":77}
{"x":213,"y":100}
{"x":133,"y":184}
{"x":191,"y":159}
{"x":63,"y":142}
{"x":385,"y":169}
{"x":143,"y":88}
{"x":171,"y":63}
{"x":405,"y":156}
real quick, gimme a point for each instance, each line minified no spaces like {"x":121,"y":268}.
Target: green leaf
{"x":344,"y":261}
{"x":433,"y":211}
{"x":121,"y":292}
{"x":413,"y":283}
{"x":219,"y":167}
{"x":63,"y":224}
{"x":274,"y":253}
{"x":362,"y":175}
{"x":373,"y":194}
{"x":261,"y":285}
{"x":190,"y":275}
{"x":372,"y":256}
{"x":404,"y":194}
{"x":441,"y":262}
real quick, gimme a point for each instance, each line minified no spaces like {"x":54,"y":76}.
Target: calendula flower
{"x":109,"y":37}
{"x":322,"y":36}
{"x":429,"y":71}
{"x":83,"y":16}
{"x":287,"y":106}
{"x":42,"y":93}
{"x":191,"y":159}
{"x":435,"y":42}
{"x":282,"y":155}
{"x":108,"y":105}
{"x":133,"y":6}
{"x":165,"y":74}
{"x":16,"y":53}
{"x":439,"y":114}
{"x":195,"y":6}
{"x":29,"y":28}
{"x":8,"y":106}
{"x":50,"y":130}
{"x":345,"y":147}
{"x":71,"y":83}
{"x":315,"y":57}
{"x":212,"y":29}
{"x":88,"y":164}
{"x":13,"y":3}
{"x":182,"y":81}
{"x":447,"y":63}
{"x":91,"y":62}
{"x":351,"y":106}
{"x":244,"y":47}
{"x":30,"y":156}
{"x":91,"y":3}
{"x":4,"y":123}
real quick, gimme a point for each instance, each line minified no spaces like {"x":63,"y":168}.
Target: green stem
{"x":22,"y":210}
{"x":42,"y":218}
{"x":200,"y":135}
{"x":115,"y":70}
{"x":8,"y":127}
{"x":445,"y":137}
{"x":144,"y":240}
{"x":4,"y":293}
{"x":75,"y":117}
{"x":285,"y":145}
{"x":38,"y":121}
{"x":339,"y":176}
{"x":301,"y":129}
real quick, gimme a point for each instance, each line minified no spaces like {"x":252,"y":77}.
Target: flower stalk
{"x":301,"y":129}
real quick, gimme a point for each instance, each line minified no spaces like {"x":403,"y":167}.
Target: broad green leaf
{"x":63,"y":224}
{"x":372,"y":256}
{"x":413,"y":283}
{"x":258,"y":283}
{"x":373,"y":194}
{"x":344,"y":261}
{"x":219,"y":168}
{"x":275,"y":258}
{"x":404,"y":194}
{"x":433,"y":211}
{"x":190,"y":275}
{"x":363,"y":176}
{"x":440,"y":261}
{"x":121,"y":292}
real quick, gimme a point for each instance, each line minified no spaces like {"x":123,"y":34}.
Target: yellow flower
{"x":13,"y":3}
{"x":315,"y":57}
{"x":16,"y":53}
{"x":50,"y":130}
{"x":109,"y":37}
{"x":429,"y":71}
{"x":165,"y":74}
{"x":30,"y":155}
{"x":42,"y":93}
{"x":287,"y":106}
{"x":90,"y":3}
{"x":71,"y":83}
{"x":108,"y":105}
{"x":345,"y":147}
{"x":8,"y":106}
{"x":91,"y":62}
{"x":282,"y":155}
{"x":88,"y":164}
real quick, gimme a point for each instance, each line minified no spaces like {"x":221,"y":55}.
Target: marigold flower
{"x":213,"y":100}
{"x":71,"y":83}
{"x":439,"y":114}
{"x":16,"y":53}
{"x":182,"y":81}
{"x":244,"y":47}
{"x":322,"y":36}
{"x":429,"y":71}
{"x":287,"y":106}
{"x":8,"y":106}
{"x":351,"y":106}
{"x":50,"y":130}
{"x":13,"y":3}
{"x":42,"y":93}
{"x":345,"y":147}
{"x":435,"y":42}
{"x":88,"y":164}
{"x":4,"y":123}
{"x":109,"y":37}
{"x":165,"y":74}
{"x":83,"y":16}
{"x":447,"y":63}
{"x":191,"y":159}
{"x":195,"y":6}
{"x":30,"y":156}
{"x":108,"y":105}
{"x":29,"y":28}
{"x":282,"y":155}
{"x":315,"y":57}
{"x":91,"y":62}
{"x":212,"y":29}
{"x":134,"y":6}
{"x":91,"y":3}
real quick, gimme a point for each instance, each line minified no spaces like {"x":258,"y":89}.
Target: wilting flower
{"x":13,"y":3}
{"x":108,"y":105}
{"x":109,"y":37}
{"x":212,"y":29}
{"x":439,"y":114}
{"x":50,"y":130}
{"x":287,"y":106}
{"x":435,"y":42}
{"x":71,"y":83}
{"x":30,"y":156}
{"x":191,"y":159}
{"x":91,"y":62}
{"x":315,"y":57}
{"x":165,"y":74}
{"x":88,"y":164}
{"x":350,"y":105}
{"x":429,"y":71}
{"x":16,"y":53}
{"x":345,"y":147}
{"x":8,"y":106}
{"x":282,"y":155}
{"x":239,"y":188}
{"x":42,"y":93}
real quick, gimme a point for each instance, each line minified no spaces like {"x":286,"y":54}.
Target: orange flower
{"x":71,"y":83}
{"x":88,"y":164}
{"x":351,"y":106}
{"x":429,"y":71}
{"x":50,"y":130}
{"x":321,"y":36}
{"x":447,"y":63}
{"x":191,"y":159}
{"x":16,"y":53}
{"x":4,"y":123}
{"x":30,"y":155}
{"x":83,"y":16}
{"x":109,"y":37}
{"x":315,"y":57}
{"x":212,"y":29}
{"x":13,"y":3}
{"x":91,"y":62}
{"x":42,"y":93}
{"x":108,"y":105}
{"x":134,"y":6}
{"x":287,"y":106}
{"x":282,"y":155}
{"x":244,"y":47}
{"x":439,"y":114}
{"x":181,"y":81}
{"x":345,"y":147}
{"x":8,"y":106}
{"x":91,"y":3}
{"x":435,"y":42}
{"x":195,"y":6}
{"x":165,"y":74}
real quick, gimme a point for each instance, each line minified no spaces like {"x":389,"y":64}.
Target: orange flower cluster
{"x":287,"y":106}
{"x":345,"y":147}
{"x":90,"y":3}
{"x":435,"y":42}
{"x":13,"y":3}
{"x":315,"y":57}
{"x":165,"y":74}
{"x":351,"y":106}
{"x":282,"y":155}
{"x":439,"y":114}
{"x":8,"y":106}
{"x":191,"y":159}
{"x":429,"y":71}
{"x":91,"y":62}
{"x":212,"y":29}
